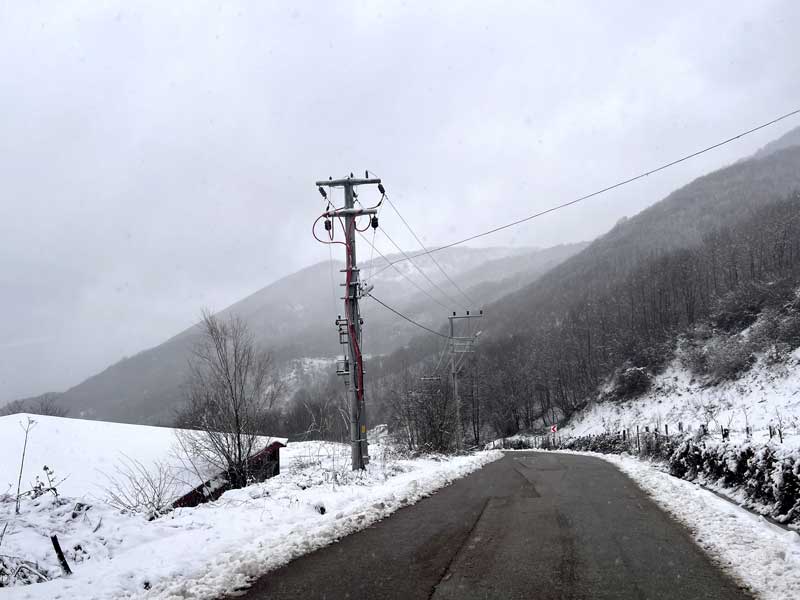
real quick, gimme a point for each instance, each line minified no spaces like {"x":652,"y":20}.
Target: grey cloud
{"x":156,"y":158}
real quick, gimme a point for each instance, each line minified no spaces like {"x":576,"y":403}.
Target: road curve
{"x":533,"y":525}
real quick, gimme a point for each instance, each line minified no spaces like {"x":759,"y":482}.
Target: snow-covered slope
{"x":85,"y":452}
{"x":768,"y":394}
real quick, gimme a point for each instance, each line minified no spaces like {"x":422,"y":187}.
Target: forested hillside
{"x":708,"y":259}
{"x":713,"y":254}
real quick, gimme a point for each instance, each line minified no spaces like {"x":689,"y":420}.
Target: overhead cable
{"x":409,"y":319}
{"x":418,"y":268}
{"x":608,"y":188}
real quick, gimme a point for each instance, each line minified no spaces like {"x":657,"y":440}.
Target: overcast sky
{"x":158,"y":158}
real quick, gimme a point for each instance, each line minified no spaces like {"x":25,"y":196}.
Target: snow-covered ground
{"x":761,"y":555}
{"x":86,"y":453}
{"x":764,"y":396}
{"x":213,"y":549}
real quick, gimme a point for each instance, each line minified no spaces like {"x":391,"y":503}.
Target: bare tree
{"x":47,"y":404}
{"x":231,"y":389}
{"x":12,"y":408}
{"x":746,"y":412}
{"x":779,"y":423}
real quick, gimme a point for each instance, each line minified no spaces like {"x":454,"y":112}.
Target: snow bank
{"x":214,"y":549}
{"x":763,"y":556}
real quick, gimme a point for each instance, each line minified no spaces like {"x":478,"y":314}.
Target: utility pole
{"x":350,"y":325}
{"x":460,"y":345}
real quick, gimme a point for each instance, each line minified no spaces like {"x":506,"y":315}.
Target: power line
{"x":441,"y":357}
{"x":425,"y":275}
{"x":425,"y":250}
{"x":389,"y":263}
{"x":409,"y":319}
{"x":610,"y":187}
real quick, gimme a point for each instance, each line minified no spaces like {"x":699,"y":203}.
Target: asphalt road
{"x":532,"y":525}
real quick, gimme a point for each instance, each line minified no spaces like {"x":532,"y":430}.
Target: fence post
{"x":666,"y":429}
{"x":638,"y":443}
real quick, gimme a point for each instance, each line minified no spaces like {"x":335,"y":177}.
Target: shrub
{"x":786,"y":488}
{"x":632,"y":381}
{"x":605,"y":443}
{"x":693,"y":357}
{"x":138,"y":488}
{"x":766,"y":478}
{"x":729,"y":358}
{"x":789,"y":329}
{"x":686,"y":461}
{"x":740,"y":307}
{"x":757,"y":483}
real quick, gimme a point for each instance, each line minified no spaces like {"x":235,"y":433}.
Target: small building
{"x":262,"y":465}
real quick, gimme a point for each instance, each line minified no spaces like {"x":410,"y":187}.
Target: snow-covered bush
{"x":658,"y":447}
{"x":18,"y":571}
{"x":138,"y":488}
{"x":521,"y":443}
{"x":786,"y":488}
{"x":727,"y":359}
{"x":768,"y":476}
{"x":692,"y":356}
{"x":687,"y":460}
{"x":740,"y":307}
{"x":758,"y":485}
{"x":605,"y":443}
{"x":632,"y":381}
{"x":789,"y":327}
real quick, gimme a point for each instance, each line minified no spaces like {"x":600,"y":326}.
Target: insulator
{"x":381,"y":188}
{"x":328,"y":225}
{"x":323,"y":192}
{"x":374,"y":222}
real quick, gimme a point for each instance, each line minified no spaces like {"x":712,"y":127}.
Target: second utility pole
{"x":459,"y":345}
{"x":352,"y":320}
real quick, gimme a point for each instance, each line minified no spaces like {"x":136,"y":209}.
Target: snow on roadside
{"x":210,"y":550}
{"x":763,"y":556}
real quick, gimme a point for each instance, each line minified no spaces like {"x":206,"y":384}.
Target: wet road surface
{"x":532,"y":525}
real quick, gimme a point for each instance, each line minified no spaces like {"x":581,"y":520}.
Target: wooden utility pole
{"x":350,"y":325}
